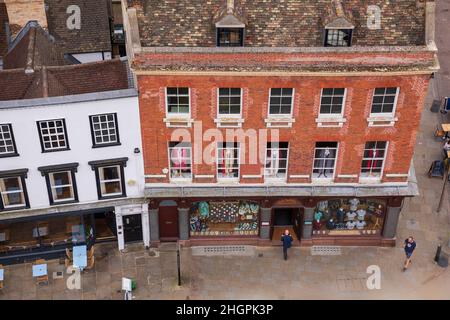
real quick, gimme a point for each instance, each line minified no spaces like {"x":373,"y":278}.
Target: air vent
{"x":326,"y":251}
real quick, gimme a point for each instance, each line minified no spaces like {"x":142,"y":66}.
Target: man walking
{"x":286,"y":238}
{"x":409,"y":247}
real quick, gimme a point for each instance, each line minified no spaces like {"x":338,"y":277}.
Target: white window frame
{"x":54,"y":187}
{"x":325,"y":179}
{"x":270,"y":177}
{"x":333,"y":115}
{"x":284,"y":115}
{"x":178,"y":114}
{"x":21,"y":191}
{"x":115,"y":121}
{"x":374,"y":178}
{"x":66,"y":147}
{"x":228,"y":179}
{"x":181,"y":178}
{"x":383,"y":119}
{"x":394,"y":107}
{"x":11,"y":139}
{"x":100,"y":181}
{"x":225,"y":116}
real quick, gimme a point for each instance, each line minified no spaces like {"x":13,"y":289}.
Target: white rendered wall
{"x":76,"y":116}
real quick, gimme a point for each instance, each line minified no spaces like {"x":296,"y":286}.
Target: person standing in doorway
{"x":287,"y":239}
{"x":409,"y":246}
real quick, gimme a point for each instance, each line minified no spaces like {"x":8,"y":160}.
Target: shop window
{"x":230,"y":37}
{"x":7,"y":143}
{"x":105,"y":130}
{"x":13,"y":194}
{"x":61,"y":183}
{"x":224,"y":218}
{"x":53,"y":135}
{"x":338,"y":37}
{"x":349,"y":217}
{"x":373,"y":159}
{"x":177,"y":100}
{"x":228,"y":161}
{"x":180,"y":160}
{"x":280,"y":101}
{"x":110,"y":177}
{"x":332,"y":102}
{"x":384,"y":101}
{"x":325,"y":160}
{"x":276,"y":160}
{"x":56,"y":233}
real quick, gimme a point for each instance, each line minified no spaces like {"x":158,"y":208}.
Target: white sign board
{"x":126,"y":284}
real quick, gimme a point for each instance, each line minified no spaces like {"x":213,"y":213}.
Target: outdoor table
{"x":446,"y":127}
{"x":80,"y":257}
{"x":39,"y":270}
{"x":1,"y":274}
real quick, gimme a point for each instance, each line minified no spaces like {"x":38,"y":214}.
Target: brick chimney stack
{"x":22,"y":11}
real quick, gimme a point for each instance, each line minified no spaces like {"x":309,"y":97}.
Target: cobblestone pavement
{"x":263,"y":274}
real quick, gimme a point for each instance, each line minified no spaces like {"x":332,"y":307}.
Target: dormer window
{"x":338,"y":37}
{"x":230,"y":37}
{"x":230,"y":24}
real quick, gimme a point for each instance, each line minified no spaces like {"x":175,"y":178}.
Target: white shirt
{"x":350,"y":225}
{"x":361,"y":214}
{"x":351,"y":215}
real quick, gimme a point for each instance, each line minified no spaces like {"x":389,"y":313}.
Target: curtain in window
{"x":229,"y":160}
{"x":372,"y":163}
{"x":273,"y":161}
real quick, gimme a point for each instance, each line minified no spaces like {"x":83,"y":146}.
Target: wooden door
{"x":168,"y":223}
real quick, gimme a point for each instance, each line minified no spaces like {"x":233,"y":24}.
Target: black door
{"x":283,"y":217}
{"x":132,"y":227}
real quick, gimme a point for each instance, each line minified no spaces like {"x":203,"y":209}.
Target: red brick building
{"x":337,"y":86}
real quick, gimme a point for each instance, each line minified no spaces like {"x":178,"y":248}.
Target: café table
{"x":446,"y":127}
{"x":80,"y":257}
{"x":39,"y":270}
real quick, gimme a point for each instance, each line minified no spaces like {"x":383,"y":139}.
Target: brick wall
{"x":22,"y":11}
{"x":304,"y":133}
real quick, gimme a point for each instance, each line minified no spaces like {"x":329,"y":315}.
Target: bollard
{"x":438,"y":254}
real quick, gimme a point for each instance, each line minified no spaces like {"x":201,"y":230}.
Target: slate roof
{"x":3,"y":21}
{"x":94,"y":34}
{"x":56,"y":81}
{"x":33,"y":47}
{"x":288,"y":23}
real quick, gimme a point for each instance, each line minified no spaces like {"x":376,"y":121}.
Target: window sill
{"x":330,"y":122}
{"x":106,"y":145}
{"x":57,"y":203}
{"x":25,"y":206}
{"x":279,"y":122}
{"x":369,"y":180}
{"x":382,"y":121}
{"x":112,"y":197}
{"x":231,"y":122}
{"x":180,"y":121}
{"x":321,"y":181}
{"x":180,"y":180}
{"x":9,"y":155}
{"x":56,"y":150}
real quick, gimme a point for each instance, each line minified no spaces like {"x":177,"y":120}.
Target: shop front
{"x":262,"y":221}
{"x":48,"y":236}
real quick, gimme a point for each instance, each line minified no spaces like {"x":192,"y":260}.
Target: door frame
{"x":166,"y":205}
{"x":128,"y":211}
{"x":296,"y":207}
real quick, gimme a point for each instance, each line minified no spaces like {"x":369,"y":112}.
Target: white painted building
{"x":69,"y":157}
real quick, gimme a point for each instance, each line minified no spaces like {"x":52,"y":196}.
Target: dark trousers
{"x":285,"y":249}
